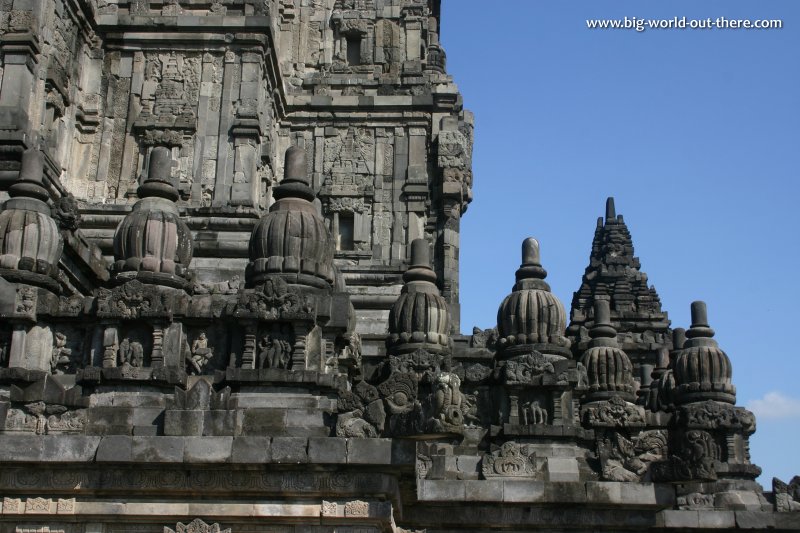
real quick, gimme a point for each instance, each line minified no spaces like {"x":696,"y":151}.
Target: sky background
{"x":694,"y":132}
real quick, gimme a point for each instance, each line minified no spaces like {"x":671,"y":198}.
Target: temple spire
{"x":614,"y":275}
{"x":611,"y":212}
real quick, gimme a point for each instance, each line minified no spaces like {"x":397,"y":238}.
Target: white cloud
{"x":775,"y":405}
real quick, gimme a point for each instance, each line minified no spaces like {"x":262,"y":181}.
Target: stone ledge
{"x":633,"y":494}
{"x":640,"y":495}
{"x":203,"y":449}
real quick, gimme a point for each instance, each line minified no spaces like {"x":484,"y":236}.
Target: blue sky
{"x":694,"y":132}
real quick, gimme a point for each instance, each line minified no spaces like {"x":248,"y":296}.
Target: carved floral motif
{"x":713,"y":415}
{"x":509,"y":460}
{"x":134,"y":299}
{"x":196,"y":526}
{"x":615,"y":412}
{"x":328,"y":508}
{"x":356,"y":508}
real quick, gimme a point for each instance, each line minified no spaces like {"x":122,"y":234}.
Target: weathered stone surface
{"x":322,"y":450}
{"x":207,"y":449}
{"x":369,"y":451}
{"x":158,"y":449}
{"x":251,"y":450}
{"x":117,"y":448}
{"x":289,"y":450}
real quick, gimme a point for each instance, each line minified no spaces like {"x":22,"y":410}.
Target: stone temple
{"x":229,"y":299}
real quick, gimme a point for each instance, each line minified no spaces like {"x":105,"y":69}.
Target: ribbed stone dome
{"x":30,"y":241}
{"x":153,"y":238}
{"x":531,"y":314}
{"x":292,"y":240}
{"x":702,"y":370}
{"x":420,"y":318}
{"x":608,"y":368}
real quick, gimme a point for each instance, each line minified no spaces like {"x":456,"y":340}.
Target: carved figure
{"x":534,"y":414}
{"x":66,"y":213}
{"x":61,"y":359}
{"x":137,"y":354}
{"x":624,"y":459}
{"x":199,"y":355}
{"x":124,"y":352}
{"x":273,"y":352}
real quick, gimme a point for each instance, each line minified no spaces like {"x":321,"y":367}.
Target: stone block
{"x":220,"y":422}
{"x":207,"y":449}
{"x":109,"y":420}
{"x":787,"y":520}
{"x":442,"y":491}
{"x":158,"y":449}
{"x":404,"y":452}
{"x":754,"y":520}
{"x":147,"y":416}
{"x":115,"y":448}
{"x":638,"y":494}
{"x":70,"y":448}
{"x":561,"y":492}
{"x":716,"y":519}
{"x":468,"y":464}
{"x":328,"y":450}
{"x":603,"y":492}
{"x":263,"y":421}
{"x":680,"y":519}
{"x":304,"y":418}
{"x":485,"y":490}
{"x":21,"y":447}
{"x":184,"y":422}
{"x":144,"y":431}
{"x":136,"y":399}
{"x":523,"y":490}
{"x":562,"y":469}
{"x":443,"y":467}
{"x":250,"y":450}
{"x":301,"y":431}
{"x":289,"y":450}
{"x":369,"y":451}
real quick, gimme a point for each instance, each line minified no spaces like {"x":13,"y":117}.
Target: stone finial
{"x":294,"y":165}
{"x":702,"y":370}
{"x":292,"y":240}
{"x":158,"y":182}
{"x":678,"y":338}
{"x":608,"y":368}
{"x":420,"y":268}
{"x":531,"y":267}
{"x":31,"y":173}
{"x":295,"y":182}
{"x":420,"y":317}
{"x":530,"y":252}
{"x":531,"y":314}
{"x":700,"y":326}
{"x":611,"y":212}
{"x":602,"y":328}
{"x":420,"y":253}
